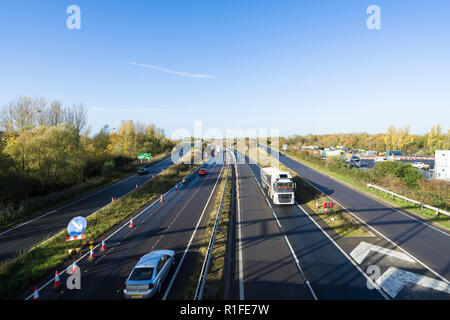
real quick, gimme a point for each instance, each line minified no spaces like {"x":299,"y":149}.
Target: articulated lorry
{"x":279,"y":185}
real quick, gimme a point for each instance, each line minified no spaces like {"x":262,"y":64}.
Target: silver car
{"x":147,"y":276}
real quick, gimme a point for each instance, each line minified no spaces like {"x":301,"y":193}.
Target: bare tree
{"x":77,"y":116}
{"x":19,"y":115}
{"x":40,"y":105}
{"x":55,"y":114}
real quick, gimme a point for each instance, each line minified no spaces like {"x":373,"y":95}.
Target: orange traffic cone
{"x":176,"y":187}
{"x":91,"y":254}
{"x":36,"y":294}
{"x":131,"y":223}
{"x":325,"y":211}
{"x":112,"y":199}
{"x":136,"y":186}
{"x":162,"y":200}
{"x":74,"y":266}
{"x":103,"y":248}
{"x":57,"y":281}
{"x":317,"y":205}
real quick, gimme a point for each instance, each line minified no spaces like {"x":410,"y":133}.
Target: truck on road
{"x":279,"y":185}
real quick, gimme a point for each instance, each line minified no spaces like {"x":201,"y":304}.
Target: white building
{"x":442,"y":164}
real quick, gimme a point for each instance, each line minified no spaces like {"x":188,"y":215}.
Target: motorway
{"x":24,"y":236}
{"x":176,"y":224}
{"x":285,"y":255}
{"x":277,"y":252}
{"x":429,"y":245}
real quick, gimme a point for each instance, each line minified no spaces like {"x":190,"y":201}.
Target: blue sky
{"x":298,"y":66}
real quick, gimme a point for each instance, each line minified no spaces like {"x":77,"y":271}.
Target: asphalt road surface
{"x":171,"y":225}
{"x":26,"y":235}
{"x":430,"y":245}
{"x":274,"y":237}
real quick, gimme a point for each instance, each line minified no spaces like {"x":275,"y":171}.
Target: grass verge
{"x":204,"y":241}
{"x":336,"y":218}
{"x":214,"y":287}
{"x":441,"y":220}
{"x":40,"y":205}
{"x":20,"y":273}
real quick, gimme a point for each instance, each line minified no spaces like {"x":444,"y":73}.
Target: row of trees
{"x":393,"y":139}
{"x":46,"y":147}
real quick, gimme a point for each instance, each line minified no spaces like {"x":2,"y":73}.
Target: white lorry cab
{"x":279,"y":185}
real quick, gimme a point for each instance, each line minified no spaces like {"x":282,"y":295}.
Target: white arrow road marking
{"x":393,"y":280}
{"x":77,"y":226}
{"x":363,"y":249}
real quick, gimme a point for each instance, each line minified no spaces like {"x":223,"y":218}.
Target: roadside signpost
{"x":76,"y":228}
{"x":143,"y":156}
{"x":328,"y":205}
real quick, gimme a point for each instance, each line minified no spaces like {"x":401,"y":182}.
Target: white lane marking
{"x":370,"y":197}
{"x":375,"y":285}
{"x":375,"y":230}
{"x":76,"y":201}
{"x":112,"y":234}
{"x":297,"y":262}
{"x":240,"y":246}
{"x":363,"y":249}
{"x":190,"y":240}
{"x":393,"y":280}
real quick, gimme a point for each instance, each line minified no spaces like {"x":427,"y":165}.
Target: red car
{"x":202,"y":172}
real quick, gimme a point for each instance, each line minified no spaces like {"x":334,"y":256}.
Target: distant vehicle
{"x":148,"y":275}
{"x":381,"y":159}
{"x":279,"y":185}
{"x":354,"y":162}
{"x":420,"y":165}
{"x":393,"y":153}
{"x":202,"y":172}
{"x":143,"y":171}
{"x":279,"y":153}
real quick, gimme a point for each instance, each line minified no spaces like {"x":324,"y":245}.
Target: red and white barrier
{"x":73,"y":238}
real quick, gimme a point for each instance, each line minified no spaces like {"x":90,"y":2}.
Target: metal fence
{"x":418,"y":203}
{"x":204,"y":272}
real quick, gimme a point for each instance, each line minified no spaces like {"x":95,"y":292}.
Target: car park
{"x":147,"y":277}
{"x":354,"y":162}
{"x":420,"y":165}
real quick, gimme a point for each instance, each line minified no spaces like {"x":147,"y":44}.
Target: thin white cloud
{"x":179,"y":73}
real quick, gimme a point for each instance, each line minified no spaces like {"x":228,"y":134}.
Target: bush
{"x":108,"y":168}
{"x":404,"y":171}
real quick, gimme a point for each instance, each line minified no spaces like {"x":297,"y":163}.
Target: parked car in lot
{"x":142,"y":171}
{"x":420,"y":165}
{"x":354,"y":161}
{"x":202,"y":172}
{"x":148,"y":275}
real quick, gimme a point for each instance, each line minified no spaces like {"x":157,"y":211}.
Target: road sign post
{"x":76,"y":228}
{"x":143,"y":156}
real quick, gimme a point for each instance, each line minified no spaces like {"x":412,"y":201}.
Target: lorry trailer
{"x":279,"y":185}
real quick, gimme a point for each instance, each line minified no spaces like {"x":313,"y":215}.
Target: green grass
{"x":20,"y":273}
{"x":428,"y":214}
{"x":10,"y":217}
{"x":337,"y":218}
{"x":204,"y":241}
{"x":215,"y":276}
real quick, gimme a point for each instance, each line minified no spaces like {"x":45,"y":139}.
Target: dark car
{"x":143,"y":171}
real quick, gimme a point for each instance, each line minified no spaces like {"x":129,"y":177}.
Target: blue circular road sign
{"x":77,"y":226}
